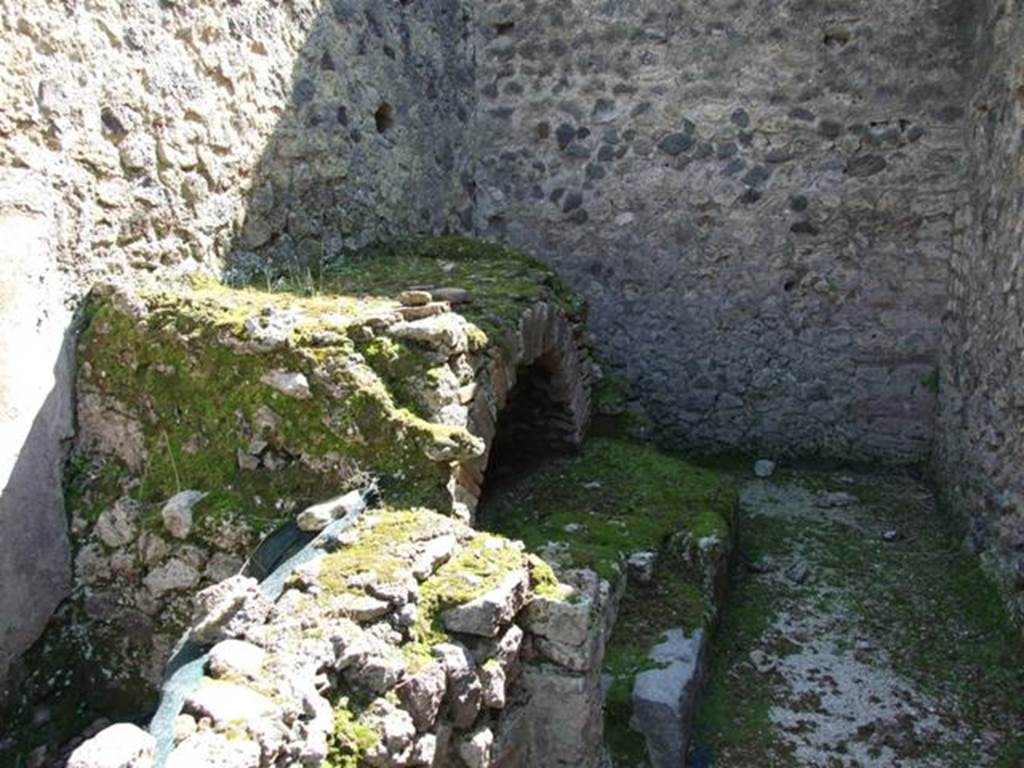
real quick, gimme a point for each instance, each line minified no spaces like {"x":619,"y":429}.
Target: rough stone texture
{"x":147,"y":140}
{"x":664,"y":697}
{"x":756,"y":201}
{"x":35,"y":414}
{"x":982,"y":376}
{"x":119,"y":746}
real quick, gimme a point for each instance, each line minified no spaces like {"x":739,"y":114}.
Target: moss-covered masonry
{"x":263,"y":399}
{"x":615,"y":498}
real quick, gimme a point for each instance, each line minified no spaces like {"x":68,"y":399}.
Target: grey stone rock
{"x":451,"y":295}
{"x":663,"y":698}
{"x":414,"y":298}
{"x":465,"y":694}
{"x":640,"y":566}
{"x":226,"y":702}
{"x":359,"y":608}
{"x":432,"y":555}
{"x":798,"y":571}
{"x":487,"y":614}
{"x":177,"y":513}
{"x":290,"y":383}
{"x":118,"y":525}
{"x":475,"y":748}
{"x":228,"y":610}
{"x":236,"y":658}
{"x":319,"y":516}
{"x":492,"y":682}
{"x":215,"y":750}
{"x":764,"y":468}
{"x":120,"y":746}
{"x":829,"y":499}
{"x":173,"y":576}
{"x":421,"y":695}
{"x":761,"y":661}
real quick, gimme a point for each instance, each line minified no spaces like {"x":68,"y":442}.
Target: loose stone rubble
{"x":223,"y":412}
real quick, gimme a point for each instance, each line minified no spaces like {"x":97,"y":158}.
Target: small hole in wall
{"x":789,"y":285}
{"x":836,"y":38}
{"x":504,"y":27}
{"x":384,"y":117}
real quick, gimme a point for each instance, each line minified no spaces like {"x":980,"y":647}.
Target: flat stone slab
{"x":664,"y":697}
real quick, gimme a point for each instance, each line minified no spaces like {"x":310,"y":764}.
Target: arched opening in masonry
{"x":536,"y":424}
{"x":541,"y":401}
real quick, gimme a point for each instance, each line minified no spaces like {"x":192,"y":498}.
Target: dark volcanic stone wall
{"x":982,"y":448}
{"x":756,"y":198}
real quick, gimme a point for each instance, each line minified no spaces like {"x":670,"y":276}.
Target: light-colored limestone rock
{"x":290,"y":383}
{"x":664,"y":697}
{"x":174,"y":575}
{"x":177,"y":513}
{"x":118,"y":746}
{"x":118,"y":525}
{"x":487,"y":614}
{"x":236,"y":658}
{"x":228,"y":609}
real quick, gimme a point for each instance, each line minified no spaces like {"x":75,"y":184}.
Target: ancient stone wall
{"x":755,"y":197}
{"x":982,"y":382}
{"x":161,"y":136}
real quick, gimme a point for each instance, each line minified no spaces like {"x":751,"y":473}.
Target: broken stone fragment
{"x":475,"y":749}
{"x":118,"y":525}
{"x":396,"y":734}
{"x":640,"y":566}
{"x":761,"y":662}
{"x":228,"y":609}
{"x":446,"y":332}
{"x":120,"y":746}
{"x":422,"y":693}
{"x":451,"y":295}
{"x":358,"y":608}
{"x":492,"y":681}
{"x":319,"y":516}
{"x":236,"y":658}
{"x":414,"y":298}
{"x":290,"y":383}
{"x":172,"y":576}
{"x":487,"y":614}
{"x":566,"y":622}
{"x":835,"y":499}
{"x":378,"y":666}
{"x":215,"y":750}
{"x":427,"y":310}
{"x":798,"y":571}
{"x":664,"y":697}
{"x":224,"y":702}
{"x":177,"y":513}
{"x":503,"y":649}
{"x":433,"y":554}
{"x":465,"y":694}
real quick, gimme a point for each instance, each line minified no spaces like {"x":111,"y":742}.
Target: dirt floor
{"x":858,"y":633}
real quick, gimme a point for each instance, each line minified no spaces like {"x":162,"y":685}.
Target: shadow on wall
{"x":35,"y":416}
{"x":368,"y":147}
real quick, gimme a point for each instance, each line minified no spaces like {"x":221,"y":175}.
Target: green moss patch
{"x":926,"y":609}
{"x":477,"y":567}
{"x":614,"y":498}
{"x":502,"y":281}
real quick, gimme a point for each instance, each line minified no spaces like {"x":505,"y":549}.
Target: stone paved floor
{"x":858,"y":634}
